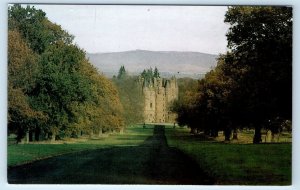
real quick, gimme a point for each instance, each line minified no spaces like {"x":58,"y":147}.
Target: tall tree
{"x":60,"y":84}
{"x":52,"y":87}
{"x":252,"y":83}
{"x":35,"y":28}
{"x":122,"y":72}
{"x":156,"y":73}
{"x":132,"y":99}
{"x":22,"y":68}
{"x":260,"y":41}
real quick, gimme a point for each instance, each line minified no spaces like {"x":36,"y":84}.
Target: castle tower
{"x":149,"y":104}
{"x":160,"y":100}
{"x":159,"y":94}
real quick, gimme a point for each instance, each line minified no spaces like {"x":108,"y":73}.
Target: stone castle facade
{"x":159,"y":93}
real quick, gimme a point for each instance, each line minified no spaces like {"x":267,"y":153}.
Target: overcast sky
{"x":108,"y":28}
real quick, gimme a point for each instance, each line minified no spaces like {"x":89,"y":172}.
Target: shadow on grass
{"x":153,"y":162}
{"x":195,"y":137}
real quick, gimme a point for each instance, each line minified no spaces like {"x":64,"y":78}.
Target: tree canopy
{"x":131,"y":96}
{"x":54,"y":91}
{"x":252,"y":83}
{"x":260,"y":40}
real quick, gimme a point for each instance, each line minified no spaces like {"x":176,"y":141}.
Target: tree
{"x":35,"y":28}
{"x":22,"y":67}
{"x":53,"y":89}
{"x":252,"y":81}
{"x":148,"y":74}
{"x":59,"y":84}
{"x":260,"y":41}
{"x":156,"y":73}
{"x":104,"y":111}
{"x":122,"y":72}
{"x":132,"y":99}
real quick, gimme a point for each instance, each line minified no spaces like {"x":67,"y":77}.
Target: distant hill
{"x":181,"y":64}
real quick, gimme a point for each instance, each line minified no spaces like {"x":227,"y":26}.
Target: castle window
{"x":150,"y":105}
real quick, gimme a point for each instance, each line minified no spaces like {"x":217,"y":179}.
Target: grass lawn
{"x":153,"y":162}
{"x":24,"y":153}
{"x":236,"y":164}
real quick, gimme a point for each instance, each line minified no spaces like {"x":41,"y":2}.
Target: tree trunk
{"x":27,"y":137}
{"x":268,"y":136}
{"x":214,"y":133}
{"x":91,"y":134}
{"x":122,"y":131}
{"x":206,"y":132}
{"x":100,"y":132}
{"x":193,"y":130}
{"x":273,"y":137}
{"x":33,"y":136}
{"x":227,"y":133}
{"x":257,"y":135}
{"x":53,"y":137}
{"x":37,"y":135}
{"x":278,"y":136}
{"x":235,"y":134}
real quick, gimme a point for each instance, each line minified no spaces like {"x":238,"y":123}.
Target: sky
{"x":116,"y":28}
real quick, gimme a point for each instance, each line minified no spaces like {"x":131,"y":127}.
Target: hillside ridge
{"x":179,"y":63}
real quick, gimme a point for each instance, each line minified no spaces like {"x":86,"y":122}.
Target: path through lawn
{"x":153,"y":162}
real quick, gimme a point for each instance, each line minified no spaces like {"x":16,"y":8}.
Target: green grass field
{"x":25,"y":153}
{"x":228,"y":164}
{"x":152,"y":162}
{"x":236,"y":164}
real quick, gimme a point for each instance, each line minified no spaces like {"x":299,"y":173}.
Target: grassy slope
{"x":263,"y":164}
{"x":24,"y":153}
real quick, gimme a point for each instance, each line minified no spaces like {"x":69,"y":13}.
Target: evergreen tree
{"x":122,"y":72}
{"x":156,"y":73}
{"x":149,"y":74}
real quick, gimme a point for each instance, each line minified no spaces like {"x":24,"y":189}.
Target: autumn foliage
{"x":251,"y":87}
{"x":53,"y":91}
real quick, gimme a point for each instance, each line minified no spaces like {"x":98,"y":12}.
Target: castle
{"x":159,"y":93}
